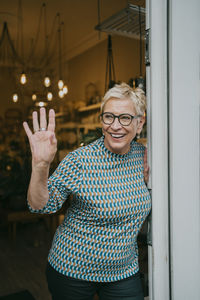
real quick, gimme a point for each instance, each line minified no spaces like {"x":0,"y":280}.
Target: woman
{"x":95,"y":249}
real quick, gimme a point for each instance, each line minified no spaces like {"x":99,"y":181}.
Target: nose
{"x":116,"y":125}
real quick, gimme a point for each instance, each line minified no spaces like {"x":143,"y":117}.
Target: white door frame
{"x":173,"y":112}
{"x":157,"y":115}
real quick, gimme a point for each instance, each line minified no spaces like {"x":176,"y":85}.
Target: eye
{"x":108,"y":116}
{"x":125,"y":117}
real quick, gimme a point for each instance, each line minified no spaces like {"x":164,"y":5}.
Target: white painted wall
{"x":184,"y":148}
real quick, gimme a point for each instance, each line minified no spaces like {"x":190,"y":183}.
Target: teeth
{"x":116,"y":135}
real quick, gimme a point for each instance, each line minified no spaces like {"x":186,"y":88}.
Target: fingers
{"x":51,"y":125}
{"x":27,"y":130}
{"x":146,"y":171}
{"x":146,"y":175}
{"x":146,"y":167}
{"x":35,"y":121}
{"x":43,"y":122}
{"x":145,"y":158}
{"x":43,"y":119}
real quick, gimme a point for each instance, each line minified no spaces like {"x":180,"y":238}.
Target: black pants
{"x":67,"y":288}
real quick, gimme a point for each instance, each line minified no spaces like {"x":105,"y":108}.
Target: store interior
{"x":63,"y":55}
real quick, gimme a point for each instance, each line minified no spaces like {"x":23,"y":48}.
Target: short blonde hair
{"x":124,"y":91}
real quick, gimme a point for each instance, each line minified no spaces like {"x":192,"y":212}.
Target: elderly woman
{"x":95,"y":249}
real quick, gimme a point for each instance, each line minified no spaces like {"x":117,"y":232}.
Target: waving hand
{"x":42,"y":140}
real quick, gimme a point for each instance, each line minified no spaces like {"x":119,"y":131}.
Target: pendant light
{"x":65,"y":89}
{"x":110,"y":70}
{"x":23,"y":78}
{"x":47,"y":81}
{"x":60,"y":84}
{"x":15,"y":98}
{"x":49,"y":96}
{"x":61,"y":93}
{"x":60,"y":81}
{"x":41,"y":104}
{"x":139,"y":81}
{"x":34,"y":97}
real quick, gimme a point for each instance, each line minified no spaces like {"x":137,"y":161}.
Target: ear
{"x":140,"y":124}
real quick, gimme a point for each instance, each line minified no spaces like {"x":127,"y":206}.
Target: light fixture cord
{"x":52,"y":44}
{"x":99,"y":16}
{"x":37,"y":36}
{"x":63,"y":35}
{"x":140,"y":40}
{"x":46,"y":37}
{"x":59,"y":48}
{"x":20,"y":41}
{"x":110,"y":70}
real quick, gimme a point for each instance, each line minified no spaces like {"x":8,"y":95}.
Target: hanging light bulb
{"x":65,"y":89}
{"x":61,"y":94}
{"x":60,"y":84}
{"x":47,"y":81}
{"x":34,"y":97}
{"x":15,"y":98}
{"x":49,"y":96}
{"x":41,"y":104}
{"x":23,"y":79}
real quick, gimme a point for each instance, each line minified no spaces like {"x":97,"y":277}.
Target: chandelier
{"x":37,"y":76}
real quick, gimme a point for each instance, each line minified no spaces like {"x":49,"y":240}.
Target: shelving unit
{"x":72,"y":125}
{"x":90,"y":107}
{"x":88,"y":116}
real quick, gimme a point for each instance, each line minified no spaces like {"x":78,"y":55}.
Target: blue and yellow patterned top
{"x":97,"y":240}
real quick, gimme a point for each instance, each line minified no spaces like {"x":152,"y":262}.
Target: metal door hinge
{"x":147,"y":47}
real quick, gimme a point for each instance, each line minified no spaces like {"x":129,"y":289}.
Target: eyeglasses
{"x":124,"y":119}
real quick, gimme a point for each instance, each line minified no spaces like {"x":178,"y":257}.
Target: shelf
{"x":90,"y":126}
{"x":125,"y":22}
{"x":60,"y":114}
{"x":72,"y":125}
{"x":90,"y":107}
{"x":67,"y":125}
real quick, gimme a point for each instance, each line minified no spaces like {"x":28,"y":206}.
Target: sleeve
{"x":64,"y":180}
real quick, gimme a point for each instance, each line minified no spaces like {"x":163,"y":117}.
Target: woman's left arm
{"x":146,"y":167}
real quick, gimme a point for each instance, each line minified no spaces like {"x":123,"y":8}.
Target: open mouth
{"x":117,"y":135}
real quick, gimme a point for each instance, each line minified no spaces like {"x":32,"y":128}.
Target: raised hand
{"x":146,"y":167}
{"x":42,"y":142}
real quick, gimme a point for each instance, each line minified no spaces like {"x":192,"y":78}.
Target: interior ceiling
{"x":79,"y":17}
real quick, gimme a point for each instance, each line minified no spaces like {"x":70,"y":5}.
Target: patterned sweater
{"x":97,"y":240}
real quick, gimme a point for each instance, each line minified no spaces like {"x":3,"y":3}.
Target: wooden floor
{"x":23,"y":262}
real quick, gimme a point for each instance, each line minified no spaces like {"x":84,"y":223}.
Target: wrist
{"x":40,"y":166}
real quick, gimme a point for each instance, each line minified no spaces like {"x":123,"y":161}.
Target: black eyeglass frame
{"x":118,"y":117}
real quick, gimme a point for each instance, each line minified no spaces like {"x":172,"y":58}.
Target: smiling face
{"x":117,"y":137}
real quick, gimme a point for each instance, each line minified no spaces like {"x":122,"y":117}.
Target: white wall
{"x":184,"y":148}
